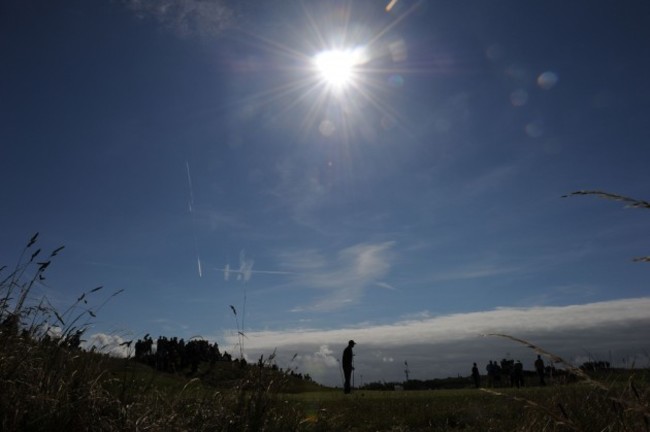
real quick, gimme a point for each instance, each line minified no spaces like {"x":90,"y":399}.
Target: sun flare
{"x":338,"y":67}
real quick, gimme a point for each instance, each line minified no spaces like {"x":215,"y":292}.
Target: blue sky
{"x":190,"y":153}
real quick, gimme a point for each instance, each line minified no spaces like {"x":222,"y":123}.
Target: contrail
{"x":190,"y":205}
{"x":189,"y":182}
{"x":227,"y":269}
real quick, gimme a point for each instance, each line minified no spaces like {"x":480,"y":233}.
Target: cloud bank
{"x":447,"y":345}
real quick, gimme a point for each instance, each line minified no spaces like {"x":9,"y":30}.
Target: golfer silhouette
{"x":347,"y":364}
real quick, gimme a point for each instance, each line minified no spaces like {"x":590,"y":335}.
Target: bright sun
{"x":337,"y":67}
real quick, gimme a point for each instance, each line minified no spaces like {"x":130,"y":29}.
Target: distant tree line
{"x":174,"y":355}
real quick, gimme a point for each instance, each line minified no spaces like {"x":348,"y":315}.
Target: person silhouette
{"x":476,"y":376}
{"x":518,"y":372}
{"x":539,"y":367}
{"x":347,"y":364}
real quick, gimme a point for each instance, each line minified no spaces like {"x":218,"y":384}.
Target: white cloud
{"x":447,"y":345}
{"x":107,"y":344}
{"x":54,"y":332}
{"x":318,"y":363}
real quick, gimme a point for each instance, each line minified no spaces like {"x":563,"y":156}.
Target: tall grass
{"x":48,"y":383}
{"x":592,"y":405}
{"x":46,"y":380}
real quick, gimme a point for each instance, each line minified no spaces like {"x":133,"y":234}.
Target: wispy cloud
{"x":245,"y":270}
{"x":385,"y":285}
{"x":245,"y":267}
{"x":476,"y":271}
{"x":187,"y":17}
{"x":493,"y":264}
{"x":301,"y":190}
{"x":343,"y":277}
{"x":227,"y":271}
{"x":447,"y":345}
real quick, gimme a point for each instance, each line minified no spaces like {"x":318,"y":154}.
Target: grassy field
{"x":614,"y":401}
{"x":573,"y":407}
{"x":408,"y":411}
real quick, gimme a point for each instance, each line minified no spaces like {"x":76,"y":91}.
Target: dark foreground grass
{"x":48,"y":387}
{"x":443,"y":410}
